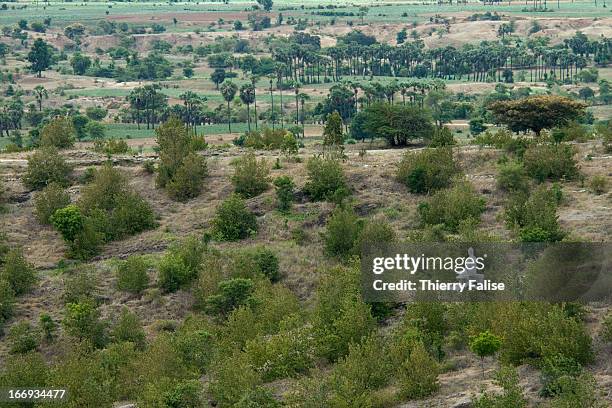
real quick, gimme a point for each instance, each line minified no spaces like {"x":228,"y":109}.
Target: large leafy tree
{"x":537,"y":112}
{"x":40,"y":56}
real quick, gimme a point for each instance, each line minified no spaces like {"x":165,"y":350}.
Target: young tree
{"x":266,"y":4}
{"x":228,"y":91}
{"x":40,"y":56}
{"x":40,"y":93}
{"x":247,"y":96}
{"x":332,"y":134}
{"x":217,"y":76}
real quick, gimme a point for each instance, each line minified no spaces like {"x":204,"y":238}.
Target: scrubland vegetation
{"x":186,"y":196}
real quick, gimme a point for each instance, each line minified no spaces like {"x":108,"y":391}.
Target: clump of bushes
{"x":231,"y":294}
{"x":180,"y":170}
{"x":534,"y":216}
{"x":111,"y":146}
{"x":50,"y":199}
{"x":23,"y":338}
{"x":17,"y":272}
{"x":59,"y":133}
{"x":46,"y":166}
{"x":554,"y":162}
{"x":512,"y":177}
{"x":132,"y":275}
{"x":342,"y":231}
{"x":442,"y":137}
{"x":427,"y":170}
{"x":251,"y":177}
{"x":511,"y":396}
{"x":263,"y":139}
{"x":598,"y":184}
{"x":233,"y":220}
{"x":180,"y":265}
{"x":326,"y":180}
{"x":452,"y":207}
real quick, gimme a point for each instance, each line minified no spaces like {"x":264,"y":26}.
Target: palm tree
{"x":296,"y":86}
{"x":40,"y":93}
{"x":228,"y":91}
{"x":280,"y":69}
{"x":247,"y":96}
{"x":272,"y":115}
{"x":254,"y":79}
{"x":303,"y":98}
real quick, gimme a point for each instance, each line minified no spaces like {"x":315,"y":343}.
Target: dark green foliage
{"x":398,"y":124}
{"x":48,"y":327}
{"x":418,"y":374}
{"x":187,"y":181}
{"x":512,"y":177}
{"x":251,"y":177}
{"x":46,"y":166}
{"x":427,"y":170}
{"x":187,"y":393}
{"x":606,"y":328}
{"x":554,"y":369}
{"x":264,"y":261}
{"x":18,"y":272}
{"x":128,"y":328}
{"x":132,"y":275}
{"x":180,"y":169}
{"x":340,"y":317}
{"x":52,"y":198}
{"x":80,"y":284}
{"x":452,"y":207}
{"x":553,"y":162}
{"x":326,"y":180}
{"x":180,"y":265}
{"x":284,"y":193}
{"x":59,"y":133}
{"x":7,"y":302}
{"x":23,"y":338}
{"x":23,"y":371}
{"x":233,"y":220}
{"x":332,"y":133}
{"x":342,"y":232}
{"x":534,"y":216}
{"x":442,"y":137}
{"x":374,"y":233}
{"x":231,"y":294}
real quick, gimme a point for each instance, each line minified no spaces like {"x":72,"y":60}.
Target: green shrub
{"x":23,"y":338}
{"x":442,"y":137}
{"x":195,"y":343}
{"x":110,"y":146}
{"x":233,"y":220}
{"x":284,"y":193}
{"x":50,"y":199}
{"x":511,"y":396}
{"x":553,"y":162}
{"x":18,"y":272}
{"x":342,"y":232}
{"x":46,"y":166}
{"x":259,"y":397}
{"x":326,"y":180}
{"x":376,"y":232}
{"x":340,"y":317}
{"x":554,"y":368}
{"x":500,"y":139}
{"x":23,"y":371}
{"x":599,"y":184}
{"x":286,"y":354}
{"x":427,"y":170}
{"x":231,"y":294}
{"x":80,"y":284}
{"x":82,"y":320}
{"x":48,"y":327}
{"x":258,"y":260}
{"x":418,"y":374}
{"x":68,"y":221}
{"x":576,"y":392}
{"x":180,"y":265}
{"x":534,"y":217}
{"x":132,"y":275}
{"x":231,"y":379}
{"x":512,"y":177}
{"x":366,"y":368}
{"x":128,"y":328}
{"x":251,"y":177}
{"x":59,"y":133}
{"x":187,"y":181}
{"x":132,"y":214}
{"x":452,"y":207}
